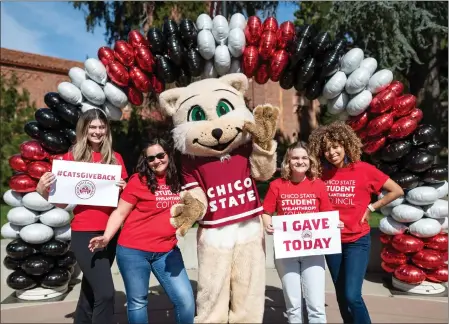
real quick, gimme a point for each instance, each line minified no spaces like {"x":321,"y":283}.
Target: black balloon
{"x":188,"y":33}
{"x":330,"y":63}
{"x":156,"y":41}
{"x":287,"y":79}
{"x":70,"y":134}
{"x":299,"y":51}
{"x":19,"y":280}
{"x":435,"y":174}
{"x":424,"y":134}
{"x":184,"y":77}
{"x":340,"y":45}
{"x":47,"y":118}
{"x":54,"y":141}
{"x":68,"y":112}
{"x":12,"y":264}
{"x":32,"y":129}
{"x":52,"y":100}
{"x":321,"y":43}
{"x":175,"y":50}
{"x":54,"y":248}
{"x":66,"y":261}
{"x":314,"y":88}
{"x":19,"y":249}
{"x":195,"y":62}
{"x":405,"y":180}
{"x":306,"y":31}
{"x":305,"y":73}
{"x":388,"y":168}
{"x":38,"y":264}
{"x":57,"y":277}
{"x":170,"y":28}
{"x":433,"y":147}
{"x":395,"y":151}
{"x":165,"y":69}
{"x":419,"y":161}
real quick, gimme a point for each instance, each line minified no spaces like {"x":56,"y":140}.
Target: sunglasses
{"x":159,"y":156}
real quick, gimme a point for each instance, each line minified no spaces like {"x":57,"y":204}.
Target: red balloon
{"x":444,"y":256}
{"x":362,"y":134}
{"x":390,"y":255}
{"x":144,"y":59}
{"x":118,"y":73}
{"x":106,"y":55}
{"x":407,"y":244}
{"x":438,"y":242}
{"x":37,"y":169}
{"x":397,"y":87}
{"x":285,"y":34}
{"x":270,"y":24}
{"x":382,"y":102}
{"x":358,"y":122}
{"x":403,"y":105}
{"x":409,"y":274}
{"x":373,"y":145}
{"x":32,"y":150}
{"x":22,"y":183}
{"x":55,"y":157}
{"x":428,"y":259}
{"x":134,"y":96}
{"x":267,"y":45}
{"x":124,"y":53}
{"x":157,"y":84}
{"x":17,"y":163}
{"x":385,"y":239}
{"x":140,"y":80}
{"x":389,"y":267}
{"x":136,"y":39}
{"x":250,"y":61}
{"x":416,"y":114}
{"x":402,"y":128}
{"x":253,"y":30}
{"x":380,"y":124}
{"x":439,"y":274}
{"x":278,"y":64}
{"x":262,"y":74}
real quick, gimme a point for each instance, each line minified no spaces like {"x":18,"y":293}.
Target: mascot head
{"x":208,"y":115}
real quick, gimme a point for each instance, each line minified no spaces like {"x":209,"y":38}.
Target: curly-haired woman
{"x":350,"y":183}
{"x":147,"y":242}
{"x":301,"y":276}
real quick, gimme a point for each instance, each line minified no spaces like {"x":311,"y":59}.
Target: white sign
{"x":81,"y":183}
{"x":306,"y":234}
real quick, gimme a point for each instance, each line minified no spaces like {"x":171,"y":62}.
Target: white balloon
{"x":380,"y":80}
{"x":70,"y":93}
{"x":86,"y":105}
{"x":206,"y":44}
{"x":96,"y":71}
{"x":115,"y":95}
{"x":77,"y":76}
{"x":444,"y":223}
{"x":236,"y":42}
{"x":406,"y":213}
{"x":389,"y":226}
{"x":56,"y":217}
{"x":425,"y":227}
{"x":113,"y":112}
{"x":386,"y":211}
{"x":10,"y":231}
{"x":63,"y":233}
{"x":36,"y":202}
{"x":12,"y":198}
{"x":442,"y":188}
{"x":93,"y":92}
{"x":237,"y":21}
{"x":357,"y":80}
{"x":204,"y":21}
{"x":335,"y":85}
{"x":359,"y":103}
{"x":22,"y":216}
{"x":36,"y":233}
{"x":70,"y":208}
{"x":351,"y":60}
{"x":236,"y":66}
{"x":422,"y":196}
{"x":338,"y":104}
{"x":222,"y":60}
{"x":370,"y":63}
{"x":220,"y":29}
{"x":393,"y":203}
{"x":439,"y":209}
{"x":209,"y":70}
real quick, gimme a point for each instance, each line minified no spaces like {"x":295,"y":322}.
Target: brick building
{"x":41,"y":74}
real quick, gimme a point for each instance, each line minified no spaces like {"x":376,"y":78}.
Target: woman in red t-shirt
{"x":350,"y":183}
{"x":93,"y":144}
{"x":147,"y":242}
{"x":298,"y":191}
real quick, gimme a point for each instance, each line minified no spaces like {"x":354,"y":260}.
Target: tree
{"x":15,"y":111}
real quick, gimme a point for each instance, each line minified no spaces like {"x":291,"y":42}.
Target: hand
{"x":45,"y":182}
{"x":366,"y":217}
{"x":269,"y":229}
{"x":185,"y":214}
{"x":341,"y":225}
{"x":121,"y":184}
{"x":98,"y":242}
{"x":264,"y":129}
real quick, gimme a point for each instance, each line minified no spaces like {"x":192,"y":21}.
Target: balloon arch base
{"x":41,"y":294}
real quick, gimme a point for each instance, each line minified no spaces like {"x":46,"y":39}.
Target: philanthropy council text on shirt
{"x":82,"y":183}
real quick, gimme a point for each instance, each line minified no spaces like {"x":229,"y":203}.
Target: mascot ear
{"x":239,"y":81}
{"x":167,"y":100}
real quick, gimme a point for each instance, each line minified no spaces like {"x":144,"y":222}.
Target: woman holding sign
{"x":298,"y":191}
{"x":148,"y":242}
{"x":93,"y":144}
{"x":350,"y":183}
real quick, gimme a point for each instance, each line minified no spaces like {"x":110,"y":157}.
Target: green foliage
{"x":251,"y":8}
{"x":15,"y":111}
{"x":313,"y":13}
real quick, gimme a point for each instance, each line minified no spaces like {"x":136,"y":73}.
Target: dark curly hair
{"x":337,"y":132}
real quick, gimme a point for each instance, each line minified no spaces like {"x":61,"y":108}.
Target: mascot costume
{"x":225,"y":148}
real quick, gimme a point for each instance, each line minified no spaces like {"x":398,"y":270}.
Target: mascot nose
{"x":216,"y":133}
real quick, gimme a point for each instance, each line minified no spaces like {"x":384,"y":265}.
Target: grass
{"x":4,"y":209}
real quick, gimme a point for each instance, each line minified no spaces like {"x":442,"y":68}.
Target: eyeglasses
{"x":159,"y":156}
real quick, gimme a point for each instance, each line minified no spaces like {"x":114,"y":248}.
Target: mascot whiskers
{"x":225,"y":148}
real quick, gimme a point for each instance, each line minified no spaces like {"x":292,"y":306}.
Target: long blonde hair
{"x":312,"y":173}
{"x":82,"y":151}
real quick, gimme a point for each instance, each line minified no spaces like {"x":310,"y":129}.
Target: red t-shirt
{"x":231,"y":191}
{"x":350,"y":192}
{"x":148,"y":227}
{"x":93,"y":218}
{"x":287,"y":198}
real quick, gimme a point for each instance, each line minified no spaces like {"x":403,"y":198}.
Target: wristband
{"x":370,"y":207}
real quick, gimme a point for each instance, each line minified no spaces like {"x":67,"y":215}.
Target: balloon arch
{"x":348,"y":84}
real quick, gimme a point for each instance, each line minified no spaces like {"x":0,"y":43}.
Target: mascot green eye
{"x":223,"y":107}
{"x":196,"y":113}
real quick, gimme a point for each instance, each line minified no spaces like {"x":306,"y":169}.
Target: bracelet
{"x":370,"y":207}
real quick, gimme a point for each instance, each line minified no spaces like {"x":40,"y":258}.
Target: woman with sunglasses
{"x":147,"y":242}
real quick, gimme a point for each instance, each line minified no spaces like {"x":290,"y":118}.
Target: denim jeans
{"x":348,"y":271}
{"x":135,"y":267}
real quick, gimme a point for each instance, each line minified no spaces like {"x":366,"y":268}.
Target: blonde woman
{"x":93,"y":144}
{"x":299,"y":191}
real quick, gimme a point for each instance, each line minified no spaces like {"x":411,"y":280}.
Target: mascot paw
{"x":185,"y":214}
{"x":264,"y":128}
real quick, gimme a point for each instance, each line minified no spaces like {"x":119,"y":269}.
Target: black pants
{"x":96,"y":301}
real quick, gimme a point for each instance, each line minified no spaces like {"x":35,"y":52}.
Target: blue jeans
{"x":348,"y":271}
{"x":135,"y":267}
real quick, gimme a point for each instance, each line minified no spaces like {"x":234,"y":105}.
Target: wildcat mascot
{"x":225,"y":148}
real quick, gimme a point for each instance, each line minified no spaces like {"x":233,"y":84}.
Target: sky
{"x":57,"y":29}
